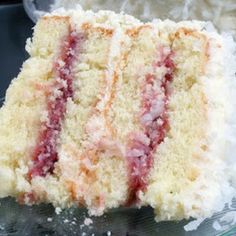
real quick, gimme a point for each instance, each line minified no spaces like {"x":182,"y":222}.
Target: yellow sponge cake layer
{"x":176,"y":158}
{"x":187,"y":178}
{"x":132,"y":113}
{"x":79,"y":168}
{"x":25,"y":103}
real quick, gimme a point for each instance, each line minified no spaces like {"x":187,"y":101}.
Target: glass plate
{"x":18,"y":220}
{"x":40,"y":220}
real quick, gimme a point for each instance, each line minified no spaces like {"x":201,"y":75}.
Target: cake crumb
{"x":58,"y":210}
{"x":193,"y":225}
{"x":81,"y":226}
{"x":216,"y":226}
{"x":88,"y":221}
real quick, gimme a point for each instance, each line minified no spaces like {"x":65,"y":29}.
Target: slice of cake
{"x":109,"y":111}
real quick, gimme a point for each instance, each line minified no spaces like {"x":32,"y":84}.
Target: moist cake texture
{"x":109,"y":111}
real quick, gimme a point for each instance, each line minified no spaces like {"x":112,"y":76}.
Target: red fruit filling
{"x":154,"y":120}
{"x":45,"y":153}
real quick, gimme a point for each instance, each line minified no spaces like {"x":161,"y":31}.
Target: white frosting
{"x":221,"y":93}
{"x":106,"y":19}
{"x":114,"y":54}
{"x":222,"y":14}
{"x":220,"y":88}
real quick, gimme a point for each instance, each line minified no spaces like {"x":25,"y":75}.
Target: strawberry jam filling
{"x":154,"y":121}
{"x":45,"y":153}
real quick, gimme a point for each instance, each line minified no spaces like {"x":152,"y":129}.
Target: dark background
{"x":15,"y":28}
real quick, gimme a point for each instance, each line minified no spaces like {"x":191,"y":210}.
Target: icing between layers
{"x":45,"y":153}
{"x":154,"y":121}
